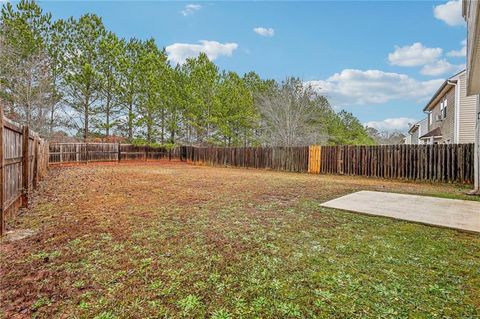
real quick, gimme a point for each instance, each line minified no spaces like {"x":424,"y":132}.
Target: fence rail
{"x":23,"y":162}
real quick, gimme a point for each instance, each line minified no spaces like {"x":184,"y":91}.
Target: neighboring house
{"x":451,"y":113}
{"x":416,"y":130}
{"x":471,"y":13}
{"x":407,"y":139}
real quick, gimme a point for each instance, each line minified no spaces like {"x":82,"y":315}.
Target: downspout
{"x":430,"y":140}
{"x":456,"y":122}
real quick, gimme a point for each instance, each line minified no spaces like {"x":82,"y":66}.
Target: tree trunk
{"x":52,"y":120}
{"x":85,"y":129}
{"x":149,"y":132}
{"x":130,"y":121}
{"x":107,"y":114}
{"x":107,"y":129}
{"x":163,"y":128}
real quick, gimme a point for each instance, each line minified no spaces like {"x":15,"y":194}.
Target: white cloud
{"x":264,"y":32}
{"x":414,"y":55}
{"x":190,"y":9}
{"x":459,"y":53}
{"x":395,"y":124}
{"x":440,"y":67}
{"x":373,"y":87}
{"x":450,"y":13}
{"x":179,"y":52}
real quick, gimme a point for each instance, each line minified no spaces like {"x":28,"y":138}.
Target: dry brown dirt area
{"x":171,"y":240}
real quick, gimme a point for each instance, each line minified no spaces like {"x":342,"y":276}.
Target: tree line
{"x":73,"y":75}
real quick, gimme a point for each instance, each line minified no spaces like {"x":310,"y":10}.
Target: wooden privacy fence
{"x":104,"y":152}
{"x":436,"y":163}
{"x":292,"y":159}
{"x":23,"y":162}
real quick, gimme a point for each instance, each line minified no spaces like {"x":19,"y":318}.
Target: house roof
{"x":446,"y":85}
{"x":415,"y":126}
{"x":433,"y":133}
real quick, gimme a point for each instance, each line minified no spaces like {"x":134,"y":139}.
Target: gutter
{"x":444,"y":84}
{"x":456,"y":122}
{"x":425,"y":109}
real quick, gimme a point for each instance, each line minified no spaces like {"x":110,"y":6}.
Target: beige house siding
{"x":408,"y":139}
{"x":471,"y":13}
{"x":415,"y":137}
{"x":467,"y":113}
{"x":446,"y":125}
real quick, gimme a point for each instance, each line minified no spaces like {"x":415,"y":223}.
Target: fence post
{"x":2,"y":180}
{"x":119,"y":153}
{"x":25,"y":166}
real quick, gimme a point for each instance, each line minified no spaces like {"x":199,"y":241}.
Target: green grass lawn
{"x":178,"y":241}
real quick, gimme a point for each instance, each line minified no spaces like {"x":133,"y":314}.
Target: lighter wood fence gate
{"x":314,"y":162}
{"x":23,"y":162}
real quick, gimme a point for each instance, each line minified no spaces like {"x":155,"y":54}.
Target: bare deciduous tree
{"x":290,"y":115}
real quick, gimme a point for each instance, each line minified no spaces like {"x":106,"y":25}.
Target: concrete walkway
{"x":452,"y":213}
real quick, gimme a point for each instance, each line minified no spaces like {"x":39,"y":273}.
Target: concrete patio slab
{"x":451,"y":213}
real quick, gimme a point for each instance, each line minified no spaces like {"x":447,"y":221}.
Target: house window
{"x":443,"y":108}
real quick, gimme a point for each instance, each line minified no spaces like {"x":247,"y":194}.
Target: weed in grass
{"x":289,"y":310}
{"x":105,"y":315}
{"x":189,"y":304}
{"x":221,"y":314}
{"x":41,"y":302}
{"x":79,"y":284}
{"x":83,"y":305}
{"x":44,"y":256}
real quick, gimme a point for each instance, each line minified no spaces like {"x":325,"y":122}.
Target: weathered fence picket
{"x":23,"y":162}
{"x":292,"y":159}
{"x":62,"y":153}
{"x":437,"y":163}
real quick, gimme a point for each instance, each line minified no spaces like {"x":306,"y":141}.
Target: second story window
{"x":443,"y":108}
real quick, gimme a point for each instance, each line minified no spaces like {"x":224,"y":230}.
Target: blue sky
{"x":380,"y":60}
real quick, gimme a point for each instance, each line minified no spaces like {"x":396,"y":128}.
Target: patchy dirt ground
{"x":171,"y":240}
